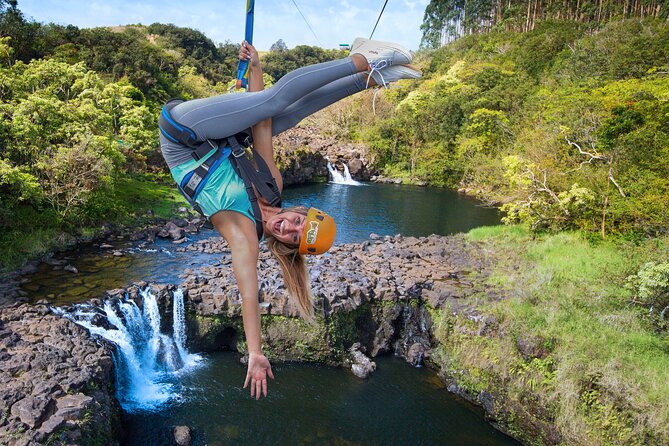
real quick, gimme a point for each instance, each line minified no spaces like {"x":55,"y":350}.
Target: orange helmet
{"x":319,"y":232}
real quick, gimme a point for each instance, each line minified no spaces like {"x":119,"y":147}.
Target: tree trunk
{"x":599,"y":11}
{"x":464,"y":19}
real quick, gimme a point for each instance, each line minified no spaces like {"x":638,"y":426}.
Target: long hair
{"x":294,"y":269}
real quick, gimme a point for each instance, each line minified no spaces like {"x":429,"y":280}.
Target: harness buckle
{"x":237,"y":149}
{"x":238,"y":152}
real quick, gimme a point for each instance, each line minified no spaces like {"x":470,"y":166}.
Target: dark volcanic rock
{"x":172,"y":230}
{"x":56,"y":382}
{"x":303,"y":153}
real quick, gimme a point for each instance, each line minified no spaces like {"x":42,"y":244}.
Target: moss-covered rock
{"x":214,"y":332}
{"x":292,"y":339}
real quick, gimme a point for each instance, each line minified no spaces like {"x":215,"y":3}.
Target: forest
{"x":563,"y":126}
{"x":448,"y":20}
{"x":79,"y":128}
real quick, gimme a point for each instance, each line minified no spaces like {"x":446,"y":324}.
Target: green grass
{"x":31,"y":233}
{"x":140,"y":194}
{"x":609,"y":362}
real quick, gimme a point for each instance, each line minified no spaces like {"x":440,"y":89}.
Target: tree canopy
{"x":447,"y":20}
{"x":562,"y":126}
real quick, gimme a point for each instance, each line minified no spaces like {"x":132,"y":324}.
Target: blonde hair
{"x":294,"y":268}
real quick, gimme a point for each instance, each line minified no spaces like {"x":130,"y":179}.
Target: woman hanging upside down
{"x":293,"y":232}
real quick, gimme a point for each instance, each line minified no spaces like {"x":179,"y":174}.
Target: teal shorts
{"x":223,"y":191}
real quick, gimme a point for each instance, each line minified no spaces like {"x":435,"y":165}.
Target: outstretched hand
{"x":258,"y":370}
{"x":248,"y":52}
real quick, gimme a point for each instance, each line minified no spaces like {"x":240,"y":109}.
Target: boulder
{"x":32,"y":410}
{"x":182,"y":436}
{"x":172,"y":230}
{"x":361,"y":365}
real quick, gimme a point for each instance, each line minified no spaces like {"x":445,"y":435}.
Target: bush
{"x":651,"y":286}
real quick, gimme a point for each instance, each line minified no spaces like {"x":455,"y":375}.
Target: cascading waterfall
{"x":338,"y":178}
{"x":179,"y":328}
{"x":145,"y":359}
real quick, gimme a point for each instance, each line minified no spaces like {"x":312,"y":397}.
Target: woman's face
{"x":287,"y":227}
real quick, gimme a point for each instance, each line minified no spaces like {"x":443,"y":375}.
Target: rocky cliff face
{"x":302,"y":155}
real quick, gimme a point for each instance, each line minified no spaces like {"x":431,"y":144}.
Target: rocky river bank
{"x":373,"y":298}
{"x":56,"y":381}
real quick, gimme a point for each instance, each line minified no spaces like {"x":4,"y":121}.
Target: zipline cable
{"x":377,"y":20}
{"x":305,"y":21}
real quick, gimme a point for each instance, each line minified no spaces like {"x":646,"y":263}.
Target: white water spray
{"x":344,"y":178}
{"x":146,"y":358}
{"x":179,"y":328}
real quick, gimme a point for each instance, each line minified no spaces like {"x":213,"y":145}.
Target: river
{"x":382,"y":209}
{"x":309,"y":404}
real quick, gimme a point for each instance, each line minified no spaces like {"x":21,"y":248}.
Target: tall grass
{"x":604,"y":378}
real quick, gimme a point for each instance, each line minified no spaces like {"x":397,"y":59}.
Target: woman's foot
{"x":381,"y":54}
{"x":385,"y":76}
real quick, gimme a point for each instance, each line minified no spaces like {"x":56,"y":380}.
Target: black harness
{"x":250,"y":167}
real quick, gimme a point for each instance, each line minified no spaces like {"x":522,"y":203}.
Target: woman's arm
{"x":262,"y":131}
{"x":240,"y":234}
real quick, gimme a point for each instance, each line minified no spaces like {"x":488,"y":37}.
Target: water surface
{"x":389,"y":209}
{"x":316,"y":405}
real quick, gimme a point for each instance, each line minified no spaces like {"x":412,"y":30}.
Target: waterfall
{"x":341,"y":178}
{"x":145,"y":358}
{"x":179,"y":328}
{"x":419,"y":360}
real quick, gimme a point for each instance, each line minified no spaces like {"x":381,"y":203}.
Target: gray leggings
{"x":295,"y":96}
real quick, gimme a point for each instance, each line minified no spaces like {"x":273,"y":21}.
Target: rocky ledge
{"x":374,"y":297}
{"x":382,"y":296}
{"x":303,"y":152}
{"x":56,"y":382}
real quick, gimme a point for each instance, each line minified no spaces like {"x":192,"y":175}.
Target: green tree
{"x":278,"y":63}
{"x":278,"y":46}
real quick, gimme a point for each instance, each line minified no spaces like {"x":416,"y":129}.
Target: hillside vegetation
{"x":564,"y":349}
{"x":79,"y":126}
{"x":564,"y":126}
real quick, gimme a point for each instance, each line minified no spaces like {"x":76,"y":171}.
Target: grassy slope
{"x":603,"y":374}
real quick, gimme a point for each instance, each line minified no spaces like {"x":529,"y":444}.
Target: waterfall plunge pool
{"x":148,"y":363}
{"x":308,"y":404}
